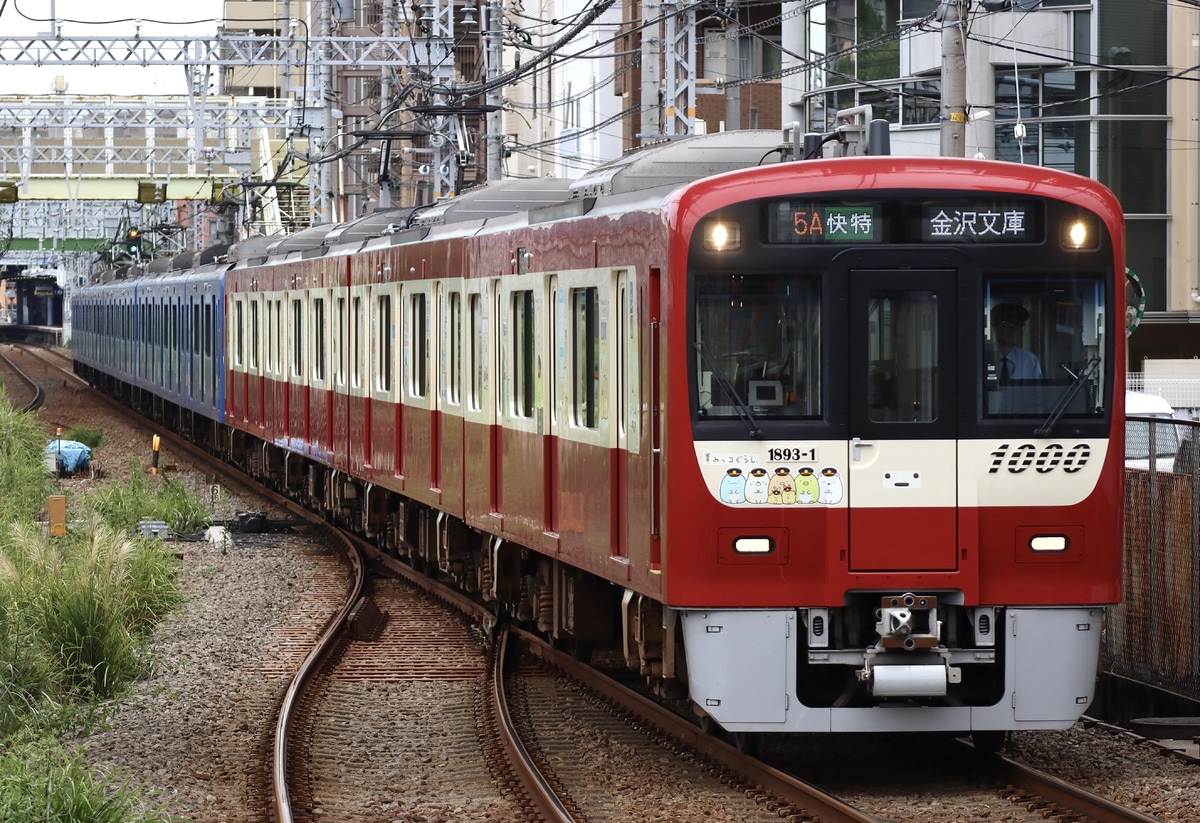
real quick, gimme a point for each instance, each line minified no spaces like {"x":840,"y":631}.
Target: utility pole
{"x":651,"y":128}
{"x":733,"y":68}
{"x":493,"y":37}
{"x":953,"y":15}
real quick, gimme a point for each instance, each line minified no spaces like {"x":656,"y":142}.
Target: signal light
{"x":133,"y":242}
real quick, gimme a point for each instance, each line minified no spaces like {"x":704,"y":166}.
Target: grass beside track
{"x":76,"y":614}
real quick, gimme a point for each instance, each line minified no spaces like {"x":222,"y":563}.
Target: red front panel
{"x":975,"y":516}
{"x":904,"y":540}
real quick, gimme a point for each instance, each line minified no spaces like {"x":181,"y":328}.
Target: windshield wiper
{"x":726,"y":385}
{"x":1068,"y":395}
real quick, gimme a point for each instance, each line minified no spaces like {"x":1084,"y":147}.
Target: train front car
{"x":893,"y":493}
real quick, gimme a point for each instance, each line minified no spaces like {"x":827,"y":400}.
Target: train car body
{"x":830,"y":445}
{"x":157,"y":340}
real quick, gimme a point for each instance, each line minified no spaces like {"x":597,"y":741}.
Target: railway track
{"x":357,"y":678}
{"x":372,"y":643}
{"x":23,"y":391}
{"x":1058,"y":799}
{"x":938,"y":778}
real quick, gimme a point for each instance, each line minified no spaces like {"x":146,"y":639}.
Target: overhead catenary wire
{"x":565,"y":29}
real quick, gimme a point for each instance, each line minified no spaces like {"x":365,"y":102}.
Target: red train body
{"x":755,"y":430}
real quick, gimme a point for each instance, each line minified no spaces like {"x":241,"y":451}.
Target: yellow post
{"x":58,"y":515}
{"x":154,"y":459}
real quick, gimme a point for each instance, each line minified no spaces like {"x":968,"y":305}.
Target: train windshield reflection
{"x":758,"y":345}
{"x":1043,"y":344}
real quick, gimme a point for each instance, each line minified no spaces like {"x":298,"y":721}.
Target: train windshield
{"x":758,"y":346}
{"x":1043,"y":346}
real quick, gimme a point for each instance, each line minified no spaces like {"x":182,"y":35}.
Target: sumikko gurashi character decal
{"x":781,"y":491}
{"x":831,"y":486}
{"x":806,"y":485}
{"x":733,"y":486}
{"x":770,"y":478}
{"x":756,"y":485}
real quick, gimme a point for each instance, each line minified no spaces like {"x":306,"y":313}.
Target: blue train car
{"x":180,"y":338}
{"x":103,"y":318}
{"x":157,"y":340}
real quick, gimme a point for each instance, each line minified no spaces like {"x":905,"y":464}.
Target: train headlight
{"x":1080,"y":233}
{"x":722,"y":235}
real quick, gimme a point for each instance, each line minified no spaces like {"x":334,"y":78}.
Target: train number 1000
{"x":1042,"y":459}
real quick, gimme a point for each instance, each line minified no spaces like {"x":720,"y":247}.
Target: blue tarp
{"x":71,"y":455}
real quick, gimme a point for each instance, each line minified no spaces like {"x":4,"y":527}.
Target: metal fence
{"x":1154,"y":634}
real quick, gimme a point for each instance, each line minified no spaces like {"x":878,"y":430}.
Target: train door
{"x":450,"y":395}
{"x":556,"y":380}
{"x":340,"y":365}
{"x":319,"y":407}
{"x":626,"y":399}
{"x":256,"y":396}
{"x":433,"y":356}
{"x":902,"y":479}
{"x":478,"y":408}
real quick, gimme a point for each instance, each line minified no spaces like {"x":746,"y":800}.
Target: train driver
{"x":1012,"y":362}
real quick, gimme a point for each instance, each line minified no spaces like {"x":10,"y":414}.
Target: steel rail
{"x":38,"y":394}
{"x":281,"y":800}
{"x":325,"y":645}
{"x":541,"y":794}
{"x":1077,"y":799}
{"x":812,"y":800}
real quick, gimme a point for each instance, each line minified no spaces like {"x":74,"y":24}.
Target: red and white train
{"x":828,"y":445}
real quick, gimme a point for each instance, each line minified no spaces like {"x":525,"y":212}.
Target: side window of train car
{"x":356,"y":326}
{"x":280,"y":336}
{"x":384,"y":367}
{"x":239,"y":333}
{"x":454,"y":360}
{"x":318,"y":322}
{"x":270,"y":339}
{"x":523,"y":354}
{"x":208,"y":329}
{"x":255,"y":336}
{"x":585,"y":358}
{"x":297,"y":337}
{"x":418,"y":376}
{"x":475,"y":354}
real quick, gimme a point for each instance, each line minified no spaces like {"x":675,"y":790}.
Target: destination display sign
{"x":797,"y":221}
{"x":978,"y":222}
{"x":808,"y":221}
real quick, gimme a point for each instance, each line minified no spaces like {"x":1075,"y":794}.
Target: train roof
{"x":495,"y":200}
{"x":680,"y":161}
{"x":668,"y":164}
{"x":375,"y":224}
{"x":252,"y":249}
